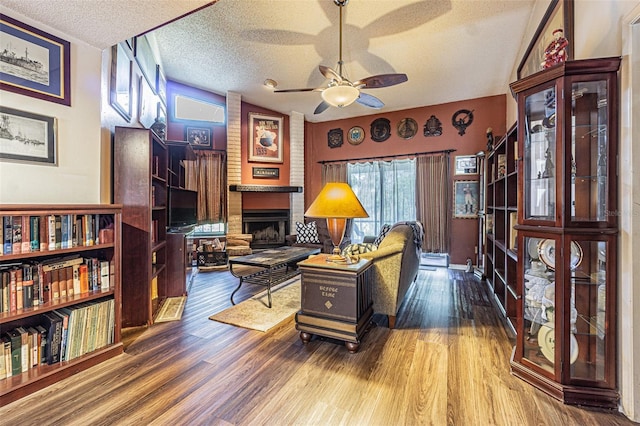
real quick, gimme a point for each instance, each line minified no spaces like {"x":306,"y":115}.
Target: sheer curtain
{"x":387,"y":191}
{"x":207,"y":174}
{"x":433,"y":199}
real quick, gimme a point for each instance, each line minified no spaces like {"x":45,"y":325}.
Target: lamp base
{"x":336,"y":258}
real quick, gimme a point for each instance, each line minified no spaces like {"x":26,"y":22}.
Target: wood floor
{"x":446,"y":363}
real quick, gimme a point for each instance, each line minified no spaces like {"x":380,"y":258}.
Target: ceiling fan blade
{"x":369,"y":101}
{"x":294,"y":90}
{"x":321,"y":107}
{"x":382,"y":80}
{"x":330,"y":73}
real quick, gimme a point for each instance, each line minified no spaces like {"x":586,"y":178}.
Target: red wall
{"x":487,"y":112}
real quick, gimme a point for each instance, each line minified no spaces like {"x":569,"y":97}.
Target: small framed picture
{"x":465,"y":199}
{"x":466,"y":165}
{"x":120,"y":87}
{"x":265,"y":138}
{"x":199,"y":137}
{"x":27,"y":136}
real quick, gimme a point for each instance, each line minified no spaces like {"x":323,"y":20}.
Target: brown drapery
{"x":334,"y":172}
{"x":433,"y":198}
{"x":208,"y":175}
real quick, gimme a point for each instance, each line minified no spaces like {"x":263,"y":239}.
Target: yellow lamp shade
{"x":336,"y":200}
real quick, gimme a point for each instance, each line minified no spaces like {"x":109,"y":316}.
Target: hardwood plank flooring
{"x":446,"y":363}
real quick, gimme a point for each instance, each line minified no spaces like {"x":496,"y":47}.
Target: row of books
{"x":32,"y":284}
{"x":26,"y":234}
{"x":62,"y":335}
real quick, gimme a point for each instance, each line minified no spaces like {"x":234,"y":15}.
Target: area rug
{"x":171,"y":309}
{"x":255,"y":314}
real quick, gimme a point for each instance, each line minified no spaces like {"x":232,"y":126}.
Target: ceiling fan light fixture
{"x":340,"y":95}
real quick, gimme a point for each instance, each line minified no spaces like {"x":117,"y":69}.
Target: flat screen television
{"x":183,"y":208}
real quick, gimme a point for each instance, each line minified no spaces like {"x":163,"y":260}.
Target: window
{"x":387,"y":190}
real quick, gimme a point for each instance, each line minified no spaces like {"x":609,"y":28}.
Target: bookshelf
{"x":501,"y":197}
{"x":95,"y":233}
{"x":178,"y":258}
{"x":140,"y":185}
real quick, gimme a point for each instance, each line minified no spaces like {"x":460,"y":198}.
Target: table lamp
{"x":336,"y":203}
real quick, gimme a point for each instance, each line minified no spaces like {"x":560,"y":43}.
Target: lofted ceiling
{"x":451,"y":50}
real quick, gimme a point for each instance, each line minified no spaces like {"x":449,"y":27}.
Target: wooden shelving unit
{"x":501,"y":195}
{"x":140,"y":185}
{"x":40,"y":376}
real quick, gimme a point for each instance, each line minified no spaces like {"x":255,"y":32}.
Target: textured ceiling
{"x":451,"y":50}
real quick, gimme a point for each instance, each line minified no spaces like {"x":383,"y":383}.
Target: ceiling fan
{"x":340,"y":92}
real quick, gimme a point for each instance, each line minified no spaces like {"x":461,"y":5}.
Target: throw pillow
{"x":383,"y":233}
{"x":358,"y":248}
{"x":307,"y":233}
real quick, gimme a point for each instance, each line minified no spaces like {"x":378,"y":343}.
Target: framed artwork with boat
{"x":25,"y":136}
{"x":33,"y":62}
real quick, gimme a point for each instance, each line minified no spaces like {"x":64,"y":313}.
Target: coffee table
{"x":268,"y":267}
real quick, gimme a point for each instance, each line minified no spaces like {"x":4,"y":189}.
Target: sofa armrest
{"x":382,"y":252}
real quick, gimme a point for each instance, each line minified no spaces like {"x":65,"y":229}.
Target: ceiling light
{"x":340,"y":95}
{"x":270,"y":83}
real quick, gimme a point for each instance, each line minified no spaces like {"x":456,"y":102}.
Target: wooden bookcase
{"x":42,"y":375}
{"x":140,"y":185}
{"x":501,"y":195}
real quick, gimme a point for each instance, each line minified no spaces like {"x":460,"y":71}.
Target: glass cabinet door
{"x":538,"y":155}
{"x":538,"y":336}
{"x":589,"y":323}
{"x":590,"y":160}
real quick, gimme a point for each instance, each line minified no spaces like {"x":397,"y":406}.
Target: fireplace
{"x":267,"y":227}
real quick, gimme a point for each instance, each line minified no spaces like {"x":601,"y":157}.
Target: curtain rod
{"x":447,"y":151}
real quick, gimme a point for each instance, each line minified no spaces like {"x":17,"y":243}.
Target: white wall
{"x":76,"y":176}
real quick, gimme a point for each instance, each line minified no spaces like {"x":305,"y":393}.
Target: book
{"x":16,"y":235}
{"x":513,"y":233}
{"x":60,"y":263}
{"x":7,"y":225}
{"x":26,"y":234}
{"x":104,"y":275}
{"x":84,"y":278}
{"x":33,"y":346}
{"x":51,"y":227}
{"x":13,"y":291}
{"x":46,"y":286}
{"x":34,"y":228}
{"x":5,"y":346}
{"x":64,"y":231}
{"x":19,"y":290}
{"x":58,"y":232}
{"x":27,"y":286}
{"x":44,"y":233}
{"x":16,"y":352}
{"x":63,"y":314}
{"x":68,"y":276}
{"x":24,"y":349}
{"x":53,"y":324}
{"x":42,"y":341}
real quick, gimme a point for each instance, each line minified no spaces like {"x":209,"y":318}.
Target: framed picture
{"x":465,"y":199}
{"x":559,"y":15}
{"x":120,"y":86}
{"x":147,"y":104}
{"x":27,"y":136}
{"x":34,"y":63}
{"x":265,"y":138}
{"x":145,"y":59}
{"x":198,"y":137}
{"x":161,"y":85}
{"x":466,"y":165}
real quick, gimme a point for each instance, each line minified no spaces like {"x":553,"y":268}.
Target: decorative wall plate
{"x":407,"y":128}
{"x":335,"y":137}
{"x":433,"y":127}
{"x":355,"y":135}
{"x":380,"y":130}
{"x":547,"y":342}
{"x":546,"y":251}
{"x":461,"y":120}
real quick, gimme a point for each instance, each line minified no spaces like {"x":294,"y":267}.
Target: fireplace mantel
{"x":264,"y":188}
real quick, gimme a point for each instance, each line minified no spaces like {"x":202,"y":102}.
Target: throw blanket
{"x":418,"y":233}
